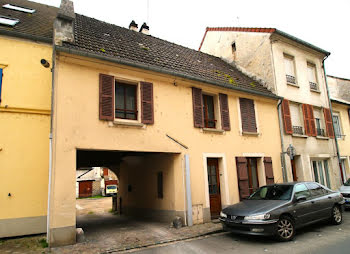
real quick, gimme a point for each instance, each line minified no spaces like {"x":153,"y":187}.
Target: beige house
{"x":340,"y":96}
{"x":185,"y":132}
{"x":293,"y":69}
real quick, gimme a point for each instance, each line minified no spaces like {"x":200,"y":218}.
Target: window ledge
{"x":291,"y":84}
{"x":250,"y":133}
{"x":213,"y":130}
{"x":315,"y":91}
{"x":299,"y":136}
{"x":321,"y":137}
{"x":128,"y":123}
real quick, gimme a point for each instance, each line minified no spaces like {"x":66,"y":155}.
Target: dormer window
{"x":7,"y":21}
{"x":18,"y":8}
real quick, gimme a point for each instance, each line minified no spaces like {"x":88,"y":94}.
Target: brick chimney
{"x":64,"y":23}
{"x":133,"y":26}
{"x":144,"y":28}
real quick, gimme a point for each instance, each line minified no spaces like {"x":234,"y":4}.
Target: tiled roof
{"x":103,"y":40}
{"x":263,"y":30}
{"x":37,"y":26}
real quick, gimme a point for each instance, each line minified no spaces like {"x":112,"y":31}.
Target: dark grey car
{"x":280,"y":209}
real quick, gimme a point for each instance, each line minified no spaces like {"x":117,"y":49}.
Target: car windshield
{"x":111,"y":187}
{"x":273,"y":192}
{"x":347,"y":183}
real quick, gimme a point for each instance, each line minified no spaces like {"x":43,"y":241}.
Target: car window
{"x":273,"y":192}
{"x":315,"y":189}
{"x":301,"y":190}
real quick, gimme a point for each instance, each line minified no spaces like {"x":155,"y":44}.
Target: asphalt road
{"x":320,"y":238}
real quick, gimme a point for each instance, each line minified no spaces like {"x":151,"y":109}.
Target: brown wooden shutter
{"x":328,"y":121}
{"x":268,"y":170}
{"x":242,"y":175}
{"x":306,"y":119}
{"x":312,"y":121}
{"x":287,"y":119}
{"x":106,"y":105}
{"x":197,"y":100}
{"x":147,"y":113}
{"x":247,"y":115}
{"x":224,"y":111}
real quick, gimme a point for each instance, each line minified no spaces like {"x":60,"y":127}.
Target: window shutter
{"x":197,"y":107}
{"x":328,"y":121}
{"x":247,"y":115}
{"x":287,"y":119}
{"x":306,"y":119}
{"x":242,"y":175}
{"x":106,"y":111}
{"x":268,"y":170}
{"x":224,"y":111}
{"x":147,"y":115}
{"x":312,"y":121}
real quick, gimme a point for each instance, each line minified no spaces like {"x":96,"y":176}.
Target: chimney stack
{"x":64,"y":23}
{"x":144,"y":28}
{"x":133,"y":26}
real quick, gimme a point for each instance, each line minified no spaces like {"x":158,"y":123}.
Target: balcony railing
{"x":313,"y":86}
{"x":320,"y":132}
{"x":298,"y":130}
{"x":290,"y":79}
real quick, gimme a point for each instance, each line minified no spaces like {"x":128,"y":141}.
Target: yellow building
{"x":340,"y":96}
{"x":186,"y":133}
{"x":24,"y":116}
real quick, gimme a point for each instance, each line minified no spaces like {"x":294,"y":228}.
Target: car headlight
{"x":264,"y":216}
{"x":223,"y":215}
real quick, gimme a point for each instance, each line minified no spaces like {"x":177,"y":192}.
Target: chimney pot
{"x":133,"y":26}
{"x":144,"y":28}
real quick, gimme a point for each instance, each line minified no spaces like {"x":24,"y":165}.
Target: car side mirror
{"x":301,"y":198}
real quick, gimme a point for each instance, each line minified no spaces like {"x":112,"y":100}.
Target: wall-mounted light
{"x":45,"y":63}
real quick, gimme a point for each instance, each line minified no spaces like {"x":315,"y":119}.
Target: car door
{"x":326,"y":201}
{"x":318,"y":198}
{"x":302,"y":210}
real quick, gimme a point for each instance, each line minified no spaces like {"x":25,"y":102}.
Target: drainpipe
{"x":50,"y":143}
{"x":188,"y":190}
{"x":331,"y":109}
{"x":283,"y":161}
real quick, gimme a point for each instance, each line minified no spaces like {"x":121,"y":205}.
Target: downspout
{"x":50,"y":142}
{"x":331,"y":109}
{"x":283,"y":161}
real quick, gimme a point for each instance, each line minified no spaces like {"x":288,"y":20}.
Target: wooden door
{"x":85,"y":189}
{"x":253,"y":175}
{"x":294,"y":171}
{"x":214,"y":187}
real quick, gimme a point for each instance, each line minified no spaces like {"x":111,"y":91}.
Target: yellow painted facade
{"x":77,"y":126}
{"x":24,"y":136}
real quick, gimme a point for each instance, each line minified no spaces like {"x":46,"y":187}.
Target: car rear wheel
{"x":337,"y":215}
{"x":285,"y":229}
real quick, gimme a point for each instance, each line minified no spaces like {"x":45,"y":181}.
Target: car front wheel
{"x":285,"y":229}
{"x":337,"y":215}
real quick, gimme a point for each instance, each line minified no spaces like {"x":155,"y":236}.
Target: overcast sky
{"x":324,"y":23}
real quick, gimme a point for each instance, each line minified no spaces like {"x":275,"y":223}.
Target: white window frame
{"x":320,"y":167}
{"x":288,"y":57}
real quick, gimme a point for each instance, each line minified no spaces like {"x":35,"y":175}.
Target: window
{"x":290,"y":69}
{"x":311,"y":70}
{"x":125,"y":101}
{"x":337,"y":129}
{"x":248,"y":115}
{"x":343,"y":167}
{"x":320,"y":131}
{"x":18,"y":8}
{"x":321,"y":172}
{"x":301,"y":190}
{"x":8,"y":21}
{"x":208,"y":111}
{"x":0,"y":82}
{"x":160,"y":184}
{"x":297,"y":121}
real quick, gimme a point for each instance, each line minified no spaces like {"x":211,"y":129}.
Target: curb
{"x":160,"y":242}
